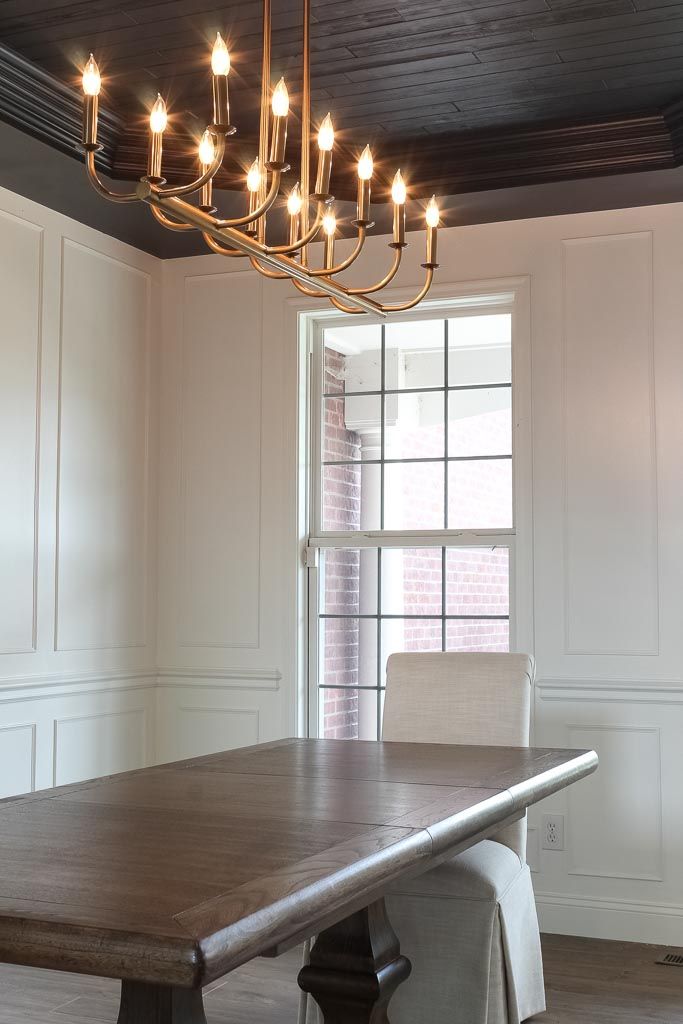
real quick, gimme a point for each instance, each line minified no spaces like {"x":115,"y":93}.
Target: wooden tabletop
{"x":177,"y":874}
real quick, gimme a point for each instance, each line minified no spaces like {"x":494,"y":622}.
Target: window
{"x":412,"y":501}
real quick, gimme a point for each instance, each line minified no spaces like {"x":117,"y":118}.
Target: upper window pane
{"x":415,"y":355}
{"x":414,"y":425}
{"x":353,"y":359}
{"x":479,"y":350}
{"x":351,"y":428}
{"x":480,"y":422}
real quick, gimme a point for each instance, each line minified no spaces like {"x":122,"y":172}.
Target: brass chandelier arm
{"x":330,"y":271}
{"x":398,"y":253}
{"x":276,"y":275}
{"x":209,"y":173}
{"x":248,"y":218}
{"x":284,"y":250}
{"x":184,"y":211}
{"x":313,"y":292}
{"x":217,"y":247}
{"x":168,"y":222}
{"x":113,"y":197}
{"x":400,"y":307}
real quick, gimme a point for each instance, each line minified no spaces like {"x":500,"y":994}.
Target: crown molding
{"x":39,"y":104}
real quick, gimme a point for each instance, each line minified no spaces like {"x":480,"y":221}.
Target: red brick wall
{"x":341,"y":511}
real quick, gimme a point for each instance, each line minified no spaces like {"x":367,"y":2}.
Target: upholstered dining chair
{"x":469,"y":926}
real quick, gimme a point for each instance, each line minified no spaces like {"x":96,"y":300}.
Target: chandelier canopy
{"x":311,"y":213}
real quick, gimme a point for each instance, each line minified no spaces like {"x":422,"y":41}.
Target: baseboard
{"x":625,"y":920}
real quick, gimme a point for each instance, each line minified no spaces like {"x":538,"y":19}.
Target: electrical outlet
{"x":552,"y":832}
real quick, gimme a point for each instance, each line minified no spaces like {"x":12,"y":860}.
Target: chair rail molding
{"x":610,"y":691}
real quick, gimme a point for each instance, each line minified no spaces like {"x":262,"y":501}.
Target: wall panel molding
{"x":223,"y":621}
{"x":100,"y":756}
{"x":91,"y":318}
{"x":22,"y":316}
{"x":13,"y":780}
{"x":212,"y":738}
{"x":610,"y":500}
{"x":622,"y":837}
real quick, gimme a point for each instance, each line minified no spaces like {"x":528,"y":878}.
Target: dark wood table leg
{"x":355,"y":968}
{"x":160,"y":1004}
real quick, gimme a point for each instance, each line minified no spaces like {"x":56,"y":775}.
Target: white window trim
{"x":470,"y":298}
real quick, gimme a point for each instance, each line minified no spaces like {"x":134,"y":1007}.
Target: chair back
{"x":461,"y":698}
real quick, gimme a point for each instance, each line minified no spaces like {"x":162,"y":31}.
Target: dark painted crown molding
{"x":37,"y":103}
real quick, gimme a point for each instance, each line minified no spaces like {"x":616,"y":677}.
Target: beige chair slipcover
{"x":469,"y":926}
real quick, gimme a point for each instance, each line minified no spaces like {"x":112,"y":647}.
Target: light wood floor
{"x":588,"y":982}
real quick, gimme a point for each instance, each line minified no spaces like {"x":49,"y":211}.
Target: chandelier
{"x":310,"y":213}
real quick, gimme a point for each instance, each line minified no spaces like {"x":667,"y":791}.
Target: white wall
{"x":78,"y":500}
{"x":607,"y":383}
{"x":84,"y":686}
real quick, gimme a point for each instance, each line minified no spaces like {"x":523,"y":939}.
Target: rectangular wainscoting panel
{"x":87,"y":746}
{"x":219,"y":557}
{"x":610,"y":513}
{"x":615,"y":816}
{"x":20,"y":291}
{"x":17,"y":759}
{"x":209,"y":730}
{"x":103,"y":453}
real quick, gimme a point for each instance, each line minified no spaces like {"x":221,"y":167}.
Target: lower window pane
{"x":478,"y":581}
{"x":348,"y":581}
{"x":411,"y":581}
{"x":489,"y":635}
{"x":399,"y":635}
{"x":348,"y":714}
{"x":348,"y":652}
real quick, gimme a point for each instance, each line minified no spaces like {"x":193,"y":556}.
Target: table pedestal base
{"x":160,"y":1004}
{"x":355,"y":968}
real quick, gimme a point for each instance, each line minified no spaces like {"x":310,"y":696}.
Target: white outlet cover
{"x":552,"y":832}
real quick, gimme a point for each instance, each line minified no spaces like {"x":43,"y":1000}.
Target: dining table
{"x":171,"y":876}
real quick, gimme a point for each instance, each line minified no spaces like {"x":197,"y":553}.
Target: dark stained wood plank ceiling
{"x":397,"y":73}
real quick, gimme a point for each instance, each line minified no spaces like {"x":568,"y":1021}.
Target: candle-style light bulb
{"x":220,"y":66}
{"x":280,"y":105}
{"x":280,"y":101}
{"x":325,"y":144}
{"x":294,"y":201}
{"x":365,"y":169}
{"x":330,"y":228}
{"x":432,"y":217}
{"x":365,"y":165}
{"x":254,"y":177}
{"x":92,"y":82}
{"x":432,"y":213}
{"x":220,"y":56}
{"x":326,"y":134}
{"x":398,"y":189}
{"x":398,"y":195}
{"x":294,"y":206}
{"x":158,"y":117}
{"x":207,"y":152}
{"x":207,"y":149}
